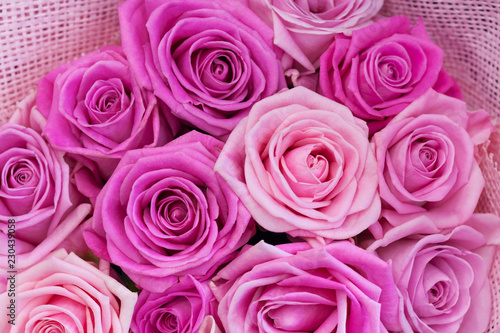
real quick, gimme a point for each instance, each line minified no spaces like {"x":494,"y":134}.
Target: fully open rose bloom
{"x":64,"y":293}
{"x":35,"y":193}
{"x":96,"y":110}
{"x":210,"y":61}
{"x":443,"y":275}
{"x":426,"y":161}
{"x":164,"y":213}
{"x":304,"y":29}
{"x":182,"y":308}
{"x":295,"y":288}
{"x":383,"y":67}
{"x":302,"y":164}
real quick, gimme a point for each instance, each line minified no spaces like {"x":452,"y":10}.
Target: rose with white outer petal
{"x":304,"y":29}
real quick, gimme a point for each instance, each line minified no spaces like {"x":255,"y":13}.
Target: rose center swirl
{"x":318,"y":165}
{"x":21,"y":173}
{"x":168,"y":322}
{"x":106,"y":99}
{"x":49,"y":326}
{"x":172,"y":213}
{"x":221,"y":69}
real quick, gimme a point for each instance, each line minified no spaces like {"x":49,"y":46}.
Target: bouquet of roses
{"x":247,"y":166}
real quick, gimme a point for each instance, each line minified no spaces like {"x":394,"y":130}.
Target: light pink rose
{"x":296,"y":288}
{"x":426,"y":163}
{"x":37,"y":194}
{"x":302,"y":164}
{"x":443,"y":275}
{"x":209,"y":326}
{"x":64,"y":293}
{"x":27,"y":114}
{"x":304,"y":29}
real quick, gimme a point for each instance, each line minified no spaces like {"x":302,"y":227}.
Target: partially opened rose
{"x":293,"y":288}
{"x":95,"y":110}
{"x":181,"y":308}
{"x":304,"y":29}
{"x":302,"y":164}
{"x":426,"y":163}
{"x":35,"y":193}
{"x":443,"y":275}
{"x":380,"y":69}
{"x":164,"y":214}
{"x":63,"y":293}
{"x":27,"y":114}
{"x":209,"y":61}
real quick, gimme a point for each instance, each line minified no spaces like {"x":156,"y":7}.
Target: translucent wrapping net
{"x":37,"y":35}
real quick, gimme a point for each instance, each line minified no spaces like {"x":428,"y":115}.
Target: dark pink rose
{"x":64,"y":293}
{"x":302,"y":164}
{"x":304,"y":29}
{"x":181,"y":308}
{"x":295,"y":288}
{"x":95,"y":110}
{"x":426,"y":163}
{"x":443,"y":275}
{"x":209,"y":61}
{"x":164,"y":213}
{"x":35,"y":193}
{"x":380,"y":69}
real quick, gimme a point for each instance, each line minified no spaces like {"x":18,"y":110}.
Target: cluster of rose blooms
{"x":249,"y":166}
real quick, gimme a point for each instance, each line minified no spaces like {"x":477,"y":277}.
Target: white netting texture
{"x":37,"y":35}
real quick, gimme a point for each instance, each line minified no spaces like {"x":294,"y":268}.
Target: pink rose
{"x":27,"y":114}
{"x":426,"y":163}
{"x":209,"y":61}
{"x":295,"y":288}
{"x":181,"y":308}
{"x":164,"y":214}
{"x":304,"y":29}
{"x":443,"y":275}
{"x":37,"y":195}
{"x":209,"y":326}
{"x":63,"y":293}
{"x":302,"y":164}
{"x":96,"y":111}
{"x":383,"y":67}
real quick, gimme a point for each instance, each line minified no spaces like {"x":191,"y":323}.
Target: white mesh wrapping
{"x":37,"y":35}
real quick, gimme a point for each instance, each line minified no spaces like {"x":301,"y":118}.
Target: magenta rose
{"x":305,"y":29}
{"x":443,"y":275}
{"x":209,"y":61}
{"x":95,"y":110}
{"x":295,"y":288}
{"x":383,"y":67}
{"x":181,"y":308}
{"x":64,"y":293}
{"x":36,"y":196}
{"x":164,"y":213}
{"x":426,"y":163}
{"x":302,"y":164}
